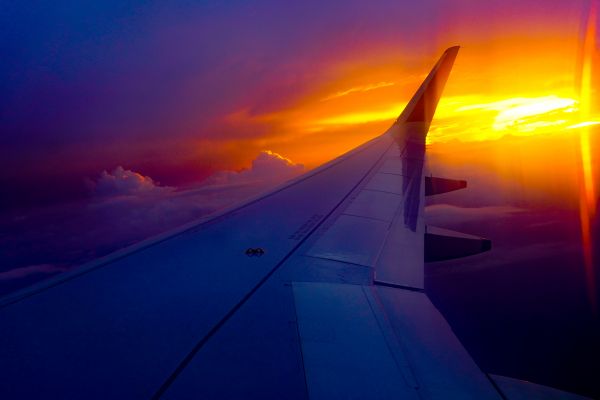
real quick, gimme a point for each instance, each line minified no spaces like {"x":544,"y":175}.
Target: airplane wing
{"x":313,"y":290}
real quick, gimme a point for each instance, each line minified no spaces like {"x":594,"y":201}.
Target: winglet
{"x":423,"y":104}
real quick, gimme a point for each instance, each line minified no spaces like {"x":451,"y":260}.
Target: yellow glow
{"x":512,"y":114}
{"x":494,"y":118}
{"x":584,"y":124}
{"x":478,"y":118}
{"x":362,"y":117}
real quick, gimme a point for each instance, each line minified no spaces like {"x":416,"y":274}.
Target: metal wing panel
{"x":351,"y":239}
{"x":254,"y":355}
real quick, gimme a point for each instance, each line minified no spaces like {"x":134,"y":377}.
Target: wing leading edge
{"x":334,"y":308}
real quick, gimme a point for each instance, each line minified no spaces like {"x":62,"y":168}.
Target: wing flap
{"x":442,"y":366}
{"x":344,"y":356}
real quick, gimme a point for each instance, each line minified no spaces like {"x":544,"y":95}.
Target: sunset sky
{"x":120,"y":119}
{"x":177,"y":92}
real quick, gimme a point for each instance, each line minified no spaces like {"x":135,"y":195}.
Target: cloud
{"x":266,"y":167}
{"x":360,"y":89}
{"x":520,"y":236}
{"x":125,"y":182}
{"x":446,"y":214}
{"x":510,"y":258}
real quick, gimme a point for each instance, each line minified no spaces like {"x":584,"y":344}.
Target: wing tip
{"x":452,"y":51}
{"x":423,"y":104}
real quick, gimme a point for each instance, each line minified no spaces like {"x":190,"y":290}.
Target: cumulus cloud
{"x":266,"y":167}
{"x":130,"y":206}
{"x":125,"y":182}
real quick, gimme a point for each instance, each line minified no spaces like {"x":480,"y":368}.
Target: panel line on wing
{"x":345,"y":356}
{"x":398,"y":286}
{"x":392,"y":340}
